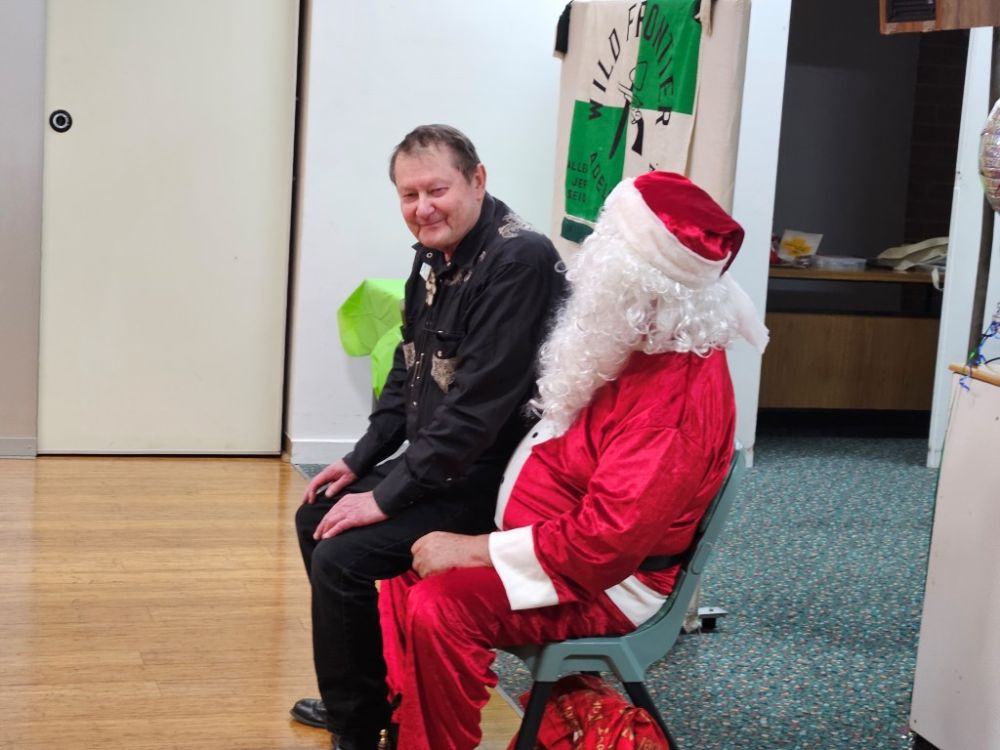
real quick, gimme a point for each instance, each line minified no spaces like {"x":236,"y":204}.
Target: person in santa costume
{"x":635,"y":438}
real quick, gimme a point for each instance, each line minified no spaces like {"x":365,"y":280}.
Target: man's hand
{"x":356,"y":509}
{"x":338,"y":474}
{"x":440,"y":551}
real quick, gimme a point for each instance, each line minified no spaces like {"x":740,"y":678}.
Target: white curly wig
{"x":619,"y":304}
{"x":650,"y":278}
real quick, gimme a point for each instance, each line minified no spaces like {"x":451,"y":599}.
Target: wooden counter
{"x":868,"y":274}
{"x":846,"y":360}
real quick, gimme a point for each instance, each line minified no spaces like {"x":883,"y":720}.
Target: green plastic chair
{"x":629,"y":656}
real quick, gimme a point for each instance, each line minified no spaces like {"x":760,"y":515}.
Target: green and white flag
{"x":633,"y":79}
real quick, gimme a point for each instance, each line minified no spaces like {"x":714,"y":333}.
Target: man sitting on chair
{"x":635,"y":439}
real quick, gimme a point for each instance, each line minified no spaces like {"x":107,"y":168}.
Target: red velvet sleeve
{"x":645,"y":497}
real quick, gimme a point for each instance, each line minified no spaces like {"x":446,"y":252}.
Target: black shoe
{"x":311,"y":712}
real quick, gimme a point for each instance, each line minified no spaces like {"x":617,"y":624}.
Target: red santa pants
{"x":437,"y":639}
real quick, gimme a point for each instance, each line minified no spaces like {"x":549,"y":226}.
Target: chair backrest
{"x":630,"y":655}
{"x":655,"y":637}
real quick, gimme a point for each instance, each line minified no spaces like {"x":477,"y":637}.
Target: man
{"x":479,"y":296}
{"x":635,"y":439}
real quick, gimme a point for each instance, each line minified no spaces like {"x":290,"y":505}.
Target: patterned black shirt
{"x":466,"y":366}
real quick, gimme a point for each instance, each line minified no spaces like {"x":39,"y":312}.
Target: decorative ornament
{"x":976,"y":357}
{"x":989,"y":157}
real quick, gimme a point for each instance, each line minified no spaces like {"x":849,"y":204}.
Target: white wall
{"x":965,"y":237}
{"x":22,"y":125}
{"x":376,"y":70}
{"x":844,"y":160}
{"x":753,"y":197}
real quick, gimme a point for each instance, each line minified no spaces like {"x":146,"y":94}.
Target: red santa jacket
{"x":629,"y":479}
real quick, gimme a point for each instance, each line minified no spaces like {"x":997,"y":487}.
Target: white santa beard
{"x":620,"y":304}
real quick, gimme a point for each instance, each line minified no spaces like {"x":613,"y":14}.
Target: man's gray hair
{"x":443,"y":136}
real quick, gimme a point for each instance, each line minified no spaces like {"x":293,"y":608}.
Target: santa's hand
{"x":440,"y":551}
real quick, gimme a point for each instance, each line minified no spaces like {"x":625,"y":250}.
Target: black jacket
{"x":466,"y":366}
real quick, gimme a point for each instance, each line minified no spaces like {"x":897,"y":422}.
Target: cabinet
{"x":850,"y":340}
{"x":902,"y":16}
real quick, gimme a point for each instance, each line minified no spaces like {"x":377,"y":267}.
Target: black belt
{"x":662,"y":562}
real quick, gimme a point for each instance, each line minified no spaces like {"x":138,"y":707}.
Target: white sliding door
{"x":166,"y":225}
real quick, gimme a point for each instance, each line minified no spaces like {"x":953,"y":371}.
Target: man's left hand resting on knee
{"x":358,"y":509}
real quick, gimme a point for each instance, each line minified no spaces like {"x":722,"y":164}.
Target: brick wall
{"x":937,"y":110}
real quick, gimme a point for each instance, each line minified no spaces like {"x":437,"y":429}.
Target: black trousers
{"x":347,"y":639}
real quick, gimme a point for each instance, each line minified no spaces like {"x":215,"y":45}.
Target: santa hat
{"x":677,"y":228}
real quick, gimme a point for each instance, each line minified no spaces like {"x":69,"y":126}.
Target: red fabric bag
{"x":585,"y":713}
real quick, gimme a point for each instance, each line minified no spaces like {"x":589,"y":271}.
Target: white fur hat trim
{"x":648,"y":238}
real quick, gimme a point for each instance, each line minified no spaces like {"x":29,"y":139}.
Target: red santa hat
{"x":675,"y":226}
{"x":678,"y":229}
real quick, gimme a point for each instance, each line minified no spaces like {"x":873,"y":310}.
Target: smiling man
{"x":480,"y":294}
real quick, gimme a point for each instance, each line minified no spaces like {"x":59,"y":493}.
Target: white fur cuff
{"x":526,"y":583}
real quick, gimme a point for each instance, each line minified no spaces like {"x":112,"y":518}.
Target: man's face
{"x":439,"y":205}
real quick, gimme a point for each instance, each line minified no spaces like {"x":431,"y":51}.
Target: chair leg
{"x":641,"y":697}
{"x":532,"y":720}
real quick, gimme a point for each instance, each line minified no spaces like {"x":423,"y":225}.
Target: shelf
{"x":869,"y":274}
{"x":987,"y":376}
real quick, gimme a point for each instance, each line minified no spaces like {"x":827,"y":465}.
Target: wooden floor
{"x":157,"y":604}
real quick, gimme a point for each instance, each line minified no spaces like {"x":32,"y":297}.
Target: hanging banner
{"x":633,"y":82}
{"x":638,"y":106}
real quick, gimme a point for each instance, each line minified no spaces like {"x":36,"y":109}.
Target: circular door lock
{"x":60,"y":120}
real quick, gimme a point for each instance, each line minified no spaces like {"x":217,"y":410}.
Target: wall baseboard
{"x":317,"y":451}
{"x":18,"y":447}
